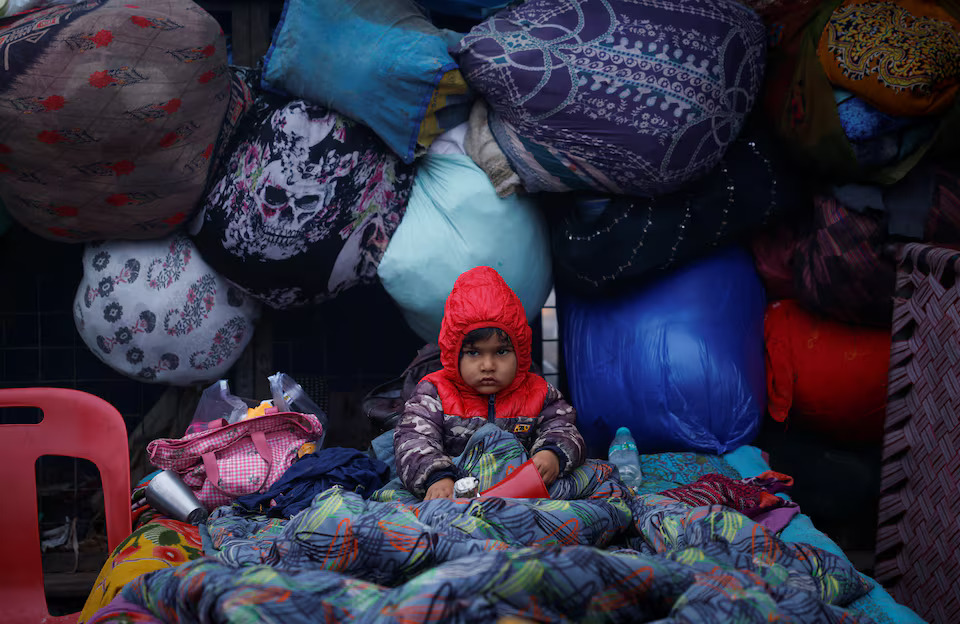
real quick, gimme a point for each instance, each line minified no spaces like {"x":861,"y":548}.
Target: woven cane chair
{"x":918,"y":538}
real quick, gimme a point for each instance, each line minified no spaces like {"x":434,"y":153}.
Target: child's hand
{"x":441,"y":489}
{"x":547,"y":465}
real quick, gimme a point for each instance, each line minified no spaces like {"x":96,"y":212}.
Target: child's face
{"x":488,"y":366}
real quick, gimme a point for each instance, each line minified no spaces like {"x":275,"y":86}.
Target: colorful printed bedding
{"x":709,"y":565}
{"x":162,"y":543}
{"x":491,"y":453}
{"x":877,"y":604}
{"x":621,"y":558}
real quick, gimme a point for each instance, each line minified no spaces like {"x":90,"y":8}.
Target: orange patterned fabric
{"x":902,"y":57}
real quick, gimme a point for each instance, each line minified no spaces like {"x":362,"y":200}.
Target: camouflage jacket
{"x":426,"y":438}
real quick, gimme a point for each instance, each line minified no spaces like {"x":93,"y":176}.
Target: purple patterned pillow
{"x":633,"y":97}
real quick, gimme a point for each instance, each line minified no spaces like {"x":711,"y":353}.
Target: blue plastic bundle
{"x":679,"y":362}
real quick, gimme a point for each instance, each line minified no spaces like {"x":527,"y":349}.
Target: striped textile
{"x":748,"y":498}
{"x":843,"y":270}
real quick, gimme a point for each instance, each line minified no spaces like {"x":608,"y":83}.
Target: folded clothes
{"x":879,"y":139}
{"x":315,"y":473}
{"x":754,"y":497}
{"x":861,"y":121}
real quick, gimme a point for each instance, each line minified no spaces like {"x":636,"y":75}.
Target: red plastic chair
{"x":75,"y":424}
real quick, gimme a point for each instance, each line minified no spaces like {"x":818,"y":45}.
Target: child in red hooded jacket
{"x":485,"y":351}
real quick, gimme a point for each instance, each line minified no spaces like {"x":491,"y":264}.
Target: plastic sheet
{"x":216,"y":402}
{"x":680,"y":362}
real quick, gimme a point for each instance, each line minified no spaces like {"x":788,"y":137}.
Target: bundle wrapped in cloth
{"x":155,"y":311}
{"x":609,"y":244}
{"x":305,"y":205}
{"x":826,"y":377}
{"x":454,"y":222}
{"x":863,"y":90}
{"x":633,"y":97}
{"x":111,"y":116}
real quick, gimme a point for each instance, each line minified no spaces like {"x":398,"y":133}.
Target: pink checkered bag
{"x":228,"y":461}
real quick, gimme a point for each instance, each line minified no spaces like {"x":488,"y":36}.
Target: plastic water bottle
{"x":623,"y":454}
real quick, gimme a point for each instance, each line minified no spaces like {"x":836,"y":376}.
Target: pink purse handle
{"x":259,"y":442}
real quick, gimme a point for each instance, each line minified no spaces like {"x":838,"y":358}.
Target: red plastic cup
{"x":524,"y":482}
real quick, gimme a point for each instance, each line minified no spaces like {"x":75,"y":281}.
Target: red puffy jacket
{"x":444,"y":412}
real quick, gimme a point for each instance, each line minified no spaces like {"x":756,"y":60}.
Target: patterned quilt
{"x":623,"y":558}
{"x":491,"y":453}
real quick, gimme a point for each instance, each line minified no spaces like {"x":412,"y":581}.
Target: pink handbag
{"x":228,"y":461}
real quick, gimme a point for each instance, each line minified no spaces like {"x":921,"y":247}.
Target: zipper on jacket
{"x":491,"y":410}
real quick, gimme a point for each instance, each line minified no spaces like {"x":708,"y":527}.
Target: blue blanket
{"x":346,"y":559}
{"x":491,"y":454}
{"x":622,"y":558}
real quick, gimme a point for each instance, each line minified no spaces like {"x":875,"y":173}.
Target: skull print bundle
{"x":305,"y":207}
{"x":155,"y":311}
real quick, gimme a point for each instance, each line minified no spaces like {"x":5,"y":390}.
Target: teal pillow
{"x":378,"y":62}
{"x":454,"y":222}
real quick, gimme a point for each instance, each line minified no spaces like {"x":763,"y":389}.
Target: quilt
{"x":449,"y":560}
{"x":492,"y":453}
{"x":617,"y":558}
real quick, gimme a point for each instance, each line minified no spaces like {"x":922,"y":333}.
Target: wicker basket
{"x":918,"y":538}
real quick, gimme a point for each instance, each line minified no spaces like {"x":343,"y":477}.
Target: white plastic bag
{"x":289,"y":396}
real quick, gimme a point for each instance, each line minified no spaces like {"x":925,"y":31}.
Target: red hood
{"x":480,"y":298}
